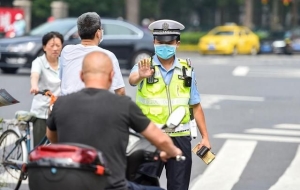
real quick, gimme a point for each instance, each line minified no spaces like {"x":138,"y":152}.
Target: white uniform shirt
{"x":49,"y":79}
{"x":71,"y":64}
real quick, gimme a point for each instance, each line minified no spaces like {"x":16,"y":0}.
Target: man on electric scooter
{"x":96,"y":117}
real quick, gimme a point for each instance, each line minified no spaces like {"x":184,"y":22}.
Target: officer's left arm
{"x":198,"y":113}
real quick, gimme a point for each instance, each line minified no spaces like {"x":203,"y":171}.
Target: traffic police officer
{"x":165,"y":82}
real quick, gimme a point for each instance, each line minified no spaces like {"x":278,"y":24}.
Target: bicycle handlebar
{"x":49,"y":94}
{"x":44,"y":93}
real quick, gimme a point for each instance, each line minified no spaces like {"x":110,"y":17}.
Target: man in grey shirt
{"x":91,"y":34}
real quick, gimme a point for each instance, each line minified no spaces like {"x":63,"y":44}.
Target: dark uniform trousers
{"x":178,"y":173}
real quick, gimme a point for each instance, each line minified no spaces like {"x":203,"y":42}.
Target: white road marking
{"x":209,"y":100}
{"x":218,"y":61}
{"x":287,"y":126}
{"x":275,"y":72}
{"x":278,"y":72}
{"x":273,"y":132}
{"x":258,"y":137}
{"x":232,"y":97}
{"x":290,"y":179}
{"x":216,"y":176}
{"x":240,"y":71}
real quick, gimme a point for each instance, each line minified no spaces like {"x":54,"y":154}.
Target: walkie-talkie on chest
{"x":187,"y":79}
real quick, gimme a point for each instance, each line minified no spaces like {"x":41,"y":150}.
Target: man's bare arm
{"x":120,"y":91}
{"x":51,"y":135}
{"x":161,"y":140}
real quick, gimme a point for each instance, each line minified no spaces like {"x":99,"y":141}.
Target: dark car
{"x":295,"y":39}
{"x":276,"y":42}
{"x":128,"y":42}
{"x":282,"y":42}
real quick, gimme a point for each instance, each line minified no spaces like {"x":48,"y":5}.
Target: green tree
{"x":41,"y":9}
{"x":105,"y":8}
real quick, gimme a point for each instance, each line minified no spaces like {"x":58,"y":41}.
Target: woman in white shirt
{"x":45,"y":75}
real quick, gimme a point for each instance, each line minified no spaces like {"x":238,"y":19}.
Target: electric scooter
{"x":77,"y":166}
{"x":142,"y":156}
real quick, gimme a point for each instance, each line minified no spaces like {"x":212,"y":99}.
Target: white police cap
{"x":166,"y":30}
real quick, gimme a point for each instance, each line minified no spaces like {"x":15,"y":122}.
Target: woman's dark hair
{"x":51,"y":35}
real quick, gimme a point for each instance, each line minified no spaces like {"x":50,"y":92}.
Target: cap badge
{"x":165,"y":26}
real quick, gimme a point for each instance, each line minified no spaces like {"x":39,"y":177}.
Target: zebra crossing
{"x":226,"y":170}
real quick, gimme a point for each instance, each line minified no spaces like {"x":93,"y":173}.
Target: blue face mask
{"x":165,"y":51}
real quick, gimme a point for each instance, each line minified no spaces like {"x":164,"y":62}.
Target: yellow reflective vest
{"x":158,"y":100}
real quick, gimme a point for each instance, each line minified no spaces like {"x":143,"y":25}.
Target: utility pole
{"x":295,"y":13}
{"x":248,"y":13}
{"x":275,"y":18}
{"x":133,"y":11}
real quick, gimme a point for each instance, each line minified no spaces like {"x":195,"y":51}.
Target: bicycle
{"x":16,"y":144}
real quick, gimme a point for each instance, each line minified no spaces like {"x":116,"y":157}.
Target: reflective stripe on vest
{"x":162,"y":102}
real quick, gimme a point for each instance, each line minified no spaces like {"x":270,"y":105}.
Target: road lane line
{"x":258,"y":137}
{"x":275,"y":75}
{"x":273,"y":132}
{"x":290,"y":179}
{"x":287,"y":126}
{"x":240,"y":71}
{"x":218,"y":61}
{"x":274,"y":72}
{"x":209,"y":100}
{"x":233,"y":156}
{"x":232,"y":97}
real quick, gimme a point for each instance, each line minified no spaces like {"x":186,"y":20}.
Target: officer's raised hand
{"x":145,"y":70}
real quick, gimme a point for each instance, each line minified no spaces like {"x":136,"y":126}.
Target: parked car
{"x":293,"y":36}
{"x":127,"y":41}
{"x":274,"y":42}
{"x":229,"y":39}
{"x":280,"y":42}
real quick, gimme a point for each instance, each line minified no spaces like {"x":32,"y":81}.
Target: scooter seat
{"x":25,"y":116}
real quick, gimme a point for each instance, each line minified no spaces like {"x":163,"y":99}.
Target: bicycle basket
{"x":25,"y":116}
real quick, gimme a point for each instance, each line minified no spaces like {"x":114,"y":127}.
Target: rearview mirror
{"x":175,"y":118}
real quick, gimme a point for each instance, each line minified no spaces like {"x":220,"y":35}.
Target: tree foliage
{"x":182,"y":11}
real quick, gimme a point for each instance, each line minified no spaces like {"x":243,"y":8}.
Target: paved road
{"x":252,"y":106}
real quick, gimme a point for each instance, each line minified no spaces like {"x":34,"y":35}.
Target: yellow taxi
{"x":229,"y":39}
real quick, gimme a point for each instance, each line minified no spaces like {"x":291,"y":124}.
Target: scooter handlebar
{"x":180,"y":158}
{"x":150,"y":156}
